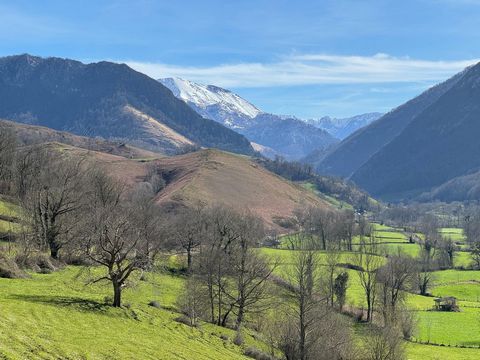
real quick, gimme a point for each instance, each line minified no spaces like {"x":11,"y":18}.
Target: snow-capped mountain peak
{"x":343,"y":127}
{"x":210,"y":99}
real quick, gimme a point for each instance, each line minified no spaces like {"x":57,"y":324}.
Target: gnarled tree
{"x":113,"y":239}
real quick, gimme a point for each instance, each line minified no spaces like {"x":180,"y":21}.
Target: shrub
{"x":9,"y":269}
{"x":407,"y":324}
{"x":154,"y":304}
{"x":183,"y":319}
{"x":238,"y":340}
{"x":257,"y":354}
{"x":40,"y":263}
{"x":108,"y":300}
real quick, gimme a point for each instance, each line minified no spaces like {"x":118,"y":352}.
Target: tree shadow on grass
{"x":77,"y":303}
{"x":474,"y":344}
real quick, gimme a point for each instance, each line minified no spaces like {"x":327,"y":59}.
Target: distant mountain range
{"x":108,"y":100}
{"x":419,"y":146}
{"x":270,"y":134}
{"x":343,"y":127}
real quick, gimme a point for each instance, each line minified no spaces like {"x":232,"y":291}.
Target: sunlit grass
{"x":57,"y":316}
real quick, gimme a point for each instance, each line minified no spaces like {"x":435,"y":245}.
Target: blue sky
{"x":305,"y":58}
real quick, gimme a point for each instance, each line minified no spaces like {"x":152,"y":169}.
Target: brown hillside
{"x":216,"y":177}
{"x":209,"y":177}
{"x":125,"y":170}
{"x":30,"y":134}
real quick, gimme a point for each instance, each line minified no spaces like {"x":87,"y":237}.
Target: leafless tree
{"x":321,"y":224}
{"x":394,"y":279}
{"x":368,"y":263}
{"x":53,"y":197}
{"x":231,"y":269}
{"x":446,"y":252}
{"x":384,"y":344}
{"x":8,"y":145}
{"x":330,"y":272}
{"x":364,"y":228}
{"x":189,"y":231}
{"x":250,"y":270}
{"x":311,"y":330}
{"x":192,"y":301}
{"x":475,"y":251}
{"x":212,"y":260}
{"x":305,"y":277}
{"x":348,"y":227}
{"x":113,"y":239}
{"x":150,"y":222}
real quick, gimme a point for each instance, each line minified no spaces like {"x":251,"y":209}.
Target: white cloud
{"x":310,"y":69}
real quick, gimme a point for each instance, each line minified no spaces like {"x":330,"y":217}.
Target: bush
{"x":9,"y":269}
{"x":154,"y":304}
{"x":108,"y":300}
{"x":183,"y":319}
{"x":76,"y":259}
{"x":40,"y":263}
{"x":407,"y":324}
{"x":385,"y":344}
{"x":238,"y":340}
{"x":257,"y":354}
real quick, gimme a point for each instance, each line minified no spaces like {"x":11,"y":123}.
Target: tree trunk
{"x":117,"y":294}
{"x":54,"y":253}
{"x":369,"y":308}
{"x":54,"y":249}
{"x":225,"y":318}
{"x":189,"y":260}
{"x":240,"y":315}
{"x":302,"y":329}
{"x":324,"y":241}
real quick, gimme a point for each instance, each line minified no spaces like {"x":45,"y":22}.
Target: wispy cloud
{"x":312,"y":69}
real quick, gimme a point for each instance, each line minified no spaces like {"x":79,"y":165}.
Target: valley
{"x":157,"y":203}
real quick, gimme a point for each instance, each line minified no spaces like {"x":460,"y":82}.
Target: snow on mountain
{"x":272,"y":134}
{"x":213,"y":102}
{"x":342,"y":128}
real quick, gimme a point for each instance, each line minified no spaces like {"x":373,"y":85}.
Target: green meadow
{"x":439,"y":335}
{"x":58,"y":316}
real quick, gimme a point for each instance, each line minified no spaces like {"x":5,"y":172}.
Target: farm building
{"x":447,"y":303}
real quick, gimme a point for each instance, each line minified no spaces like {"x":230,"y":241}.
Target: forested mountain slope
{"x":106,"y":99}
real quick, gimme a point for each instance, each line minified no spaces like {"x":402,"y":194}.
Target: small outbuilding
{"x":447,"y":303}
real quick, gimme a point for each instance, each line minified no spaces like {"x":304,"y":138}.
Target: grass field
{"x":455,"y":330}
{"x":56,"y":316}
{"x":7,"y":227}
{"x":9,"y":210}
{"x":450,"y":328}
{"x":455,"y":234}
{"x":430,"y":352}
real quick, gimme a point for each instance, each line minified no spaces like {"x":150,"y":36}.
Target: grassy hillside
{"x":53,"y":316}
{"x":29,"y":135}
{"x":211,"y":176}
